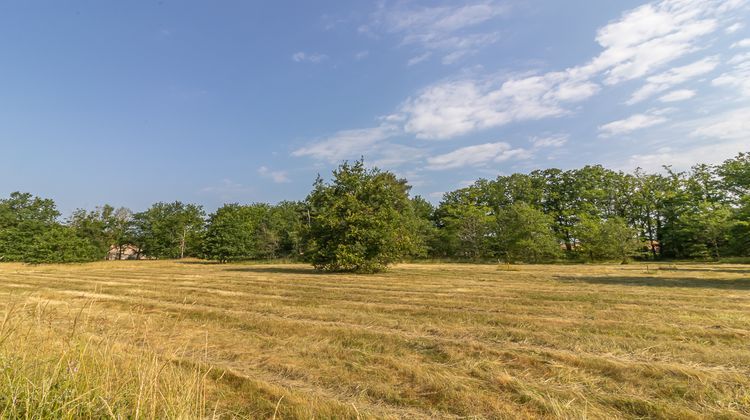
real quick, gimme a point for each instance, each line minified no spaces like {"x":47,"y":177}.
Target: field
{"x":191,"y":339}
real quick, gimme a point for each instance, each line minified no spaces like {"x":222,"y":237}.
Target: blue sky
{"x":129,"y":103}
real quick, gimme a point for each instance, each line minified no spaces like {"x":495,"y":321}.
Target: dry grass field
{"x":189,"y":339}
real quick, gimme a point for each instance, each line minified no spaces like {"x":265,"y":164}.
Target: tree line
{"x":364,"y":219}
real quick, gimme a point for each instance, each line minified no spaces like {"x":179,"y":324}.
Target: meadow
{"x":187,"y":339}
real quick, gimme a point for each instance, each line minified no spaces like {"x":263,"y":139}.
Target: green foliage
{"x":104,"y":228}
{"x":232,"y":232}
{"x":362,"y":221}
{"x":524,"y":233}
{"x":610,"y":239}
{"x":735,"y":174}
{"x":465,"y":225}
{"x":170,"y":230}
{"x":425,"y":229}
{"x":29,"y":232}
{"x":236,"y":232}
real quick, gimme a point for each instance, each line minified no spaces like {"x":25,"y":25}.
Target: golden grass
{"x":187,"y":339}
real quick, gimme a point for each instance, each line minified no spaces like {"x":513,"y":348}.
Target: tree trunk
{"x":182,"y":243}
{"x":650,"y":228}
{"x":716,"y":250}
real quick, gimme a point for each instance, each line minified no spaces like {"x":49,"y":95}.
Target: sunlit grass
{"x":187,"y":339}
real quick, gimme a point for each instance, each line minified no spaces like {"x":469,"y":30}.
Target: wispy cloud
{"x":347,"y":144}
{"x":302,"y":57}
{"x":279,"y":177}
{"x":731,"y":125}
{"x":715,"y":139}
{"x":632,"y":123}
{"x":734,"y":28}
{"x":640,"y":42}
{"x":743,"y":43}
{"x":477,"y":155}
{"x":418,"y":59}
{"x":738,"y":76}
{"x":361,"y":55}
{"x":453,"y":30}
{"x":550,"y":141}
{"x":672,"y":77}
{"x":454,"y":108}
{"x":677,"y":95}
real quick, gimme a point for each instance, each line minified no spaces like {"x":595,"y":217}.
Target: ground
{"x":422,"y":340}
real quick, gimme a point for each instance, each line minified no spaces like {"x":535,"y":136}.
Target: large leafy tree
{"x":24,"y":219}
{"x":170,"y":230}
{"x":104,"y":227}
{"x":466,"y":222}
{"x":608,"y":239}
{"x":232,"y":232}
{"x":361,"y":221}
{"x":29,"y":232}
{"x":524,"y":233}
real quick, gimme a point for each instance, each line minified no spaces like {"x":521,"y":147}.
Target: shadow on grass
{"x":198,"y":262}
{"x":716,"y":270}
{"x":734,"y":284}
{"x":278,"y":270}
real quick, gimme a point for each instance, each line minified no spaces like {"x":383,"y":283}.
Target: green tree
{"x":230,"y":234}
{"x":524,"y":233}
{"x":465,"y":222}
{"x":608,"y":239}
{"x":424,"y":212}
{"x":104,"y":227}
{"x":287,"y":219}
{"x":362,"y":221}
{"x":735,"y":175}
{"x":170,"y":230}
{"x":23,"y":220}
{"x":30,"y":232}
{"x":708,"y":228}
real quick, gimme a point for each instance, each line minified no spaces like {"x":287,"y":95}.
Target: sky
{"x":130,"y":103}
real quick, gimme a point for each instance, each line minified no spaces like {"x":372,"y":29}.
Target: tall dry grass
{"x":188,"y":339}
{"x":51,"y":367}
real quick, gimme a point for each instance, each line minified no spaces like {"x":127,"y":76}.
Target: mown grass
{"x":186,"y":339}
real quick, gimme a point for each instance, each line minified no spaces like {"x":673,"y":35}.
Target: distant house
{"x":125,"y":252}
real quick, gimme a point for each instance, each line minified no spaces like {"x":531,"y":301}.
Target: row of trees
{"x":364,"y":220}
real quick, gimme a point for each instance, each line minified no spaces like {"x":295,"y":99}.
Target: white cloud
{"x":734,"y":28}
{"x":677,"y":75}
{"x":347,"y":144}
{"x":300,"y":57}
{"x":279,"y":177}
{"x":361,"y":55}
{"x":454,"y":108}
{"x":632,"y":123}
{"x":743,"y":43}
{"x":477,"y":155}
{"x":678,"y":95}
{"x":650,"y":36}
{"x":392,"y":155}
{"x":714,"y":139}
{"x":641,"y":41}
{"x":418,"y":59}
{"x":551,"y":141}
{"x":739,"y":58}
{"x":738,"y":77}
{"x":710,"y":140}
{"x":450,"y":29}
{"x":731,"y":125}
